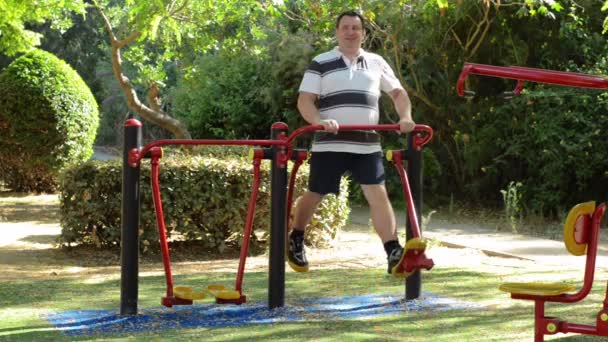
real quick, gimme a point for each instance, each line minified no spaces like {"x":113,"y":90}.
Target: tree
{"x":18,"y":14}
{"x":162,"y":33}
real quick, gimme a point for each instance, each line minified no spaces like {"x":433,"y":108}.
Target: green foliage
{"x":552,"y":143}
{"x":512,"y":200}
{"x":236,"y":96}
{"x":48,"y":120}
{"x":17,"y":15}
{"x":205,"y":198}
{"x":263,"y":48}
{"x":222,"y":99}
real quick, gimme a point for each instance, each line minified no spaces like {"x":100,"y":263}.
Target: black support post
{"x":278,"y":220}
{"x":414,"y":174}
{"x":129,"y":252}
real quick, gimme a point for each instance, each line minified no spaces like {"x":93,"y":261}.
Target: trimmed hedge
{"x":204,"y":198}
{"x":48,"y":120}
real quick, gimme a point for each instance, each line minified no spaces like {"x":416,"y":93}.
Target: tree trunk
{"x":152,"y":113}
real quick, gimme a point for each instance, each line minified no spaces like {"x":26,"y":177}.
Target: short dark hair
{"x":350,"y":13}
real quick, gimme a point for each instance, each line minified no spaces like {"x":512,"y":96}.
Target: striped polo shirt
{"x":348,"y":93}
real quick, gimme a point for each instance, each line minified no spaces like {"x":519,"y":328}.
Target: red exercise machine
{"x":413,"y":258}
{"x":582,"y":226}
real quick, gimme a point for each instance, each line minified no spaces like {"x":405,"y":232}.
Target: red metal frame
{"x":530,"y":74}
{"x":154,"y":151}
{"x":413,"y":259}
{"x":259,"y":154}
{"x":541,"y":322}
{"x":169,"y":300}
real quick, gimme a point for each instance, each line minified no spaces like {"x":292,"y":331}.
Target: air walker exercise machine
{"x":581,"y":228}
{"x":279,"y":150}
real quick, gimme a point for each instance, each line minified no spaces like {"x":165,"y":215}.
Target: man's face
{"x":350,"y":32}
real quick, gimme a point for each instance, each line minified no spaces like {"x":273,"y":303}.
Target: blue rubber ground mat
{"x":96,"y":322}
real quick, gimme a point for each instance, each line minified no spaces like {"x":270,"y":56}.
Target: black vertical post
{"x":414,"y":176}
{"x":129,"y":252}
{"x":278,"y":220}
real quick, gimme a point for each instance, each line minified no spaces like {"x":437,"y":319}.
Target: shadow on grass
{"x":40,"y":239}
{"x":24,"y":212}
{"x":5,"y":193}
{"x":90,"y":256}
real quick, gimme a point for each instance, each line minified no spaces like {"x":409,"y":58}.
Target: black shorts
{"x":327,"y":169}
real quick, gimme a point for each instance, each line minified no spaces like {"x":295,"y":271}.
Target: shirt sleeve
{"x":311,"y":82}
{"x":388,"y":80}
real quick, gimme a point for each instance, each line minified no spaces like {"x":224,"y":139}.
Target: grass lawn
{"x":40,"y":280}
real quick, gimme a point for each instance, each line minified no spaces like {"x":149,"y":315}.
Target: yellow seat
{"x":537,"y":289}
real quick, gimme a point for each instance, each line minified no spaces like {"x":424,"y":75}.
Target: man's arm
{"x":403,"y":106}
{"x":310,"y":112}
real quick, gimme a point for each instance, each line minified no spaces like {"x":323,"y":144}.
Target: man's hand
{"x":330,"y":125}
{"x":406,"y":125}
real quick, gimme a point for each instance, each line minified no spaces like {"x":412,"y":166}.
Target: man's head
{"x":349,"y":30}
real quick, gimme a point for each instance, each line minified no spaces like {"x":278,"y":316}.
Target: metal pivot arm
{"x":413,"y":257}
{"x":258,"y":154}
{"x":169,"y":300}
{"x":136,"y":155}
{"x":529,"y":74}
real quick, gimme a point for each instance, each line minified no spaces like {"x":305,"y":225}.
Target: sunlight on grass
{"x":21,"y":318}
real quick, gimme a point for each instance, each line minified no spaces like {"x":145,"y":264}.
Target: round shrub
{"x":48,"y":120}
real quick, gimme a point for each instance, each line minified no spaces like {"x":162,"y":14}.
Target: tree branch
{"x":154,"y":115}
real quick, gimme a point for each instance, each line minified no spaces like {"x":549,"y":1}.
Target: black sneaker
{"x":394,"y":258}
{"x":296,"y":256}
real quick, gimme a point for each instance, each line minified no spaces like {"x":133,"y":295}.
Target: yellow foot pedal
{"x":221,"y":292}
{"x":415,"y":244}
{"x":412,"y":258}
{"x":185,"y":292}
{"x":537,"y":289}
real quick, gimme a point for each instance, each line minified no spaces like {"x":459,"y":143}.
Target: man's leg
{"x":305,"y":209}
{"x":381,"y":211}
{"x":303,"y":212}
{"x":383,"y":219}
{"x":368,"y":170}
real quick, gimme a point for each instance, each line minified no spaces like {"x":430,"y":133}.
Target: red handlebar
{"x":392,"y":127}
{"x":135,"y":155}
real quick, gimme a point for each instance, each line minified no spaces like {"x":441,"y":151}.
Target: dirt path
{"x":30,"y":225}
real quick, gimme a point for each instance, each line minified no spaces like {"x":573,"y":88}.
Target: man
{"x":343,"y":86}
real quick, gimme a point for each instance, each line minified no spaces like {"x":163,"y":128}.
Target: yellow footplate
{"x":220,"y":291}
{"x":185,"y":292}
{"x":537,"y":289}
{"x":417,"y":244}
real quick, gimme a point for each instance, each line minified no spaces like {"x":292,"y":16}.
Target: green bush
{"x":205,"y":198}
{"x":48,"y":120}
{"x":222,"y":99}
{"x":551,"y":140}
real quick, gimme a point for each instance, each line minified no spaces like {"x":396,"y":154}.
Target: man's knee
{"x":375,"y":193}
{"x":310,"y":199}
{"x":313,"y":197}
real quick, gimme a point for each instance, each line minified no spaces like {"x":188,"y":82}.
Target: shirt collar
{"x":361,"y":52}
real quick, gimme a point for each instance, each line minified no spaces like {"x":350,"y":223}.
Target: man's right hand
{"x":330,"y":125}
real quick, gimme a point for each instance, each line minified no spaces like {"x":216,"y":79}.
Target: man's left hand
{"x":406,"y":125}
